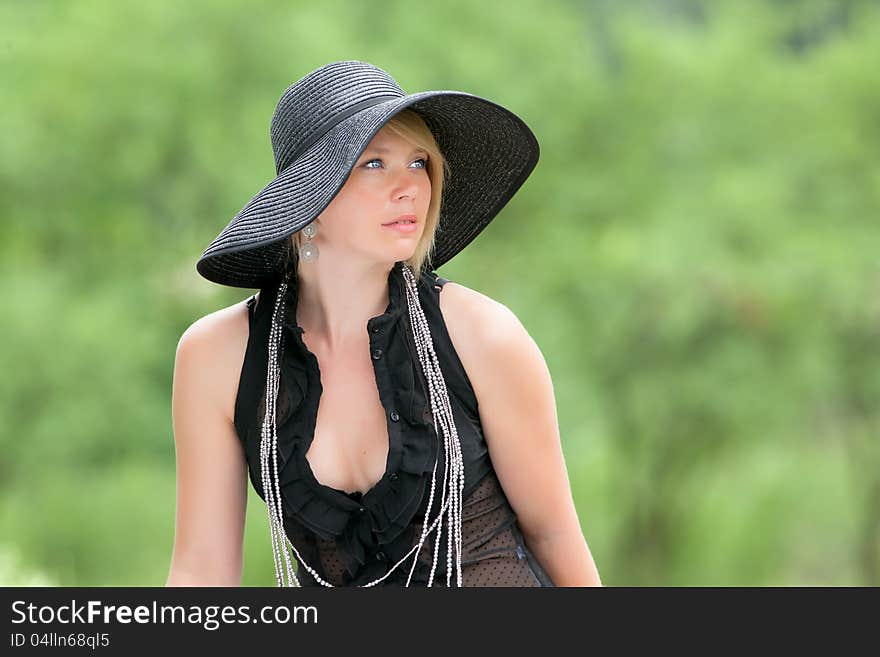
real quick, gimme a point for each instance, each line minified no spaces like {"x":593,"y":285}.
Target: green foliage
{"x":696,"y":255}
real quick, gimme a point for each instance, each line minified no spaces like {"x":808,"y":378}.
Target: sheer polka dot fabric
{"x":347,"y":553}
{"x":493,"y":550}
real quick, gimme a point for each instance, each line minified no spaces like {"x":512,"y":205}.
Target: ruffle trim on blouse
{"x":378,"y":520}
{"x":388,"y":507}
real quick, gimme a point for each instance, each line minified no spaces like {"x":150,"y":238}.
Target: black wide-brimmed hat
{"x":322,"y":124}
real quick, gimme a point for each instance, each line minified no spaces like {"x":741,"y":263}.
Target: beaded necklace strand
{"x":453,"y":476}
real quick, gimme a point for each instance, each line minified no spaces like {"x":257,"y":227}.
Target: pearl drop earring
{"x":308,"y":251}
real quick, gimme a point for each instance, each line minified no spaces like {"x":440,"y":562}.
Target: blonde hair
{"x":410,"y":125}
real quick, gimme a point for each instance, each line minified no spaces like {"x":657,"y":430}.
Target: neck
{"x":334,"y":300}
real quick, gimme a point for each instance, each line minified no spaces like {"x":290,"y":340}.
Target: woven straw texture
{"x":320,"y":127}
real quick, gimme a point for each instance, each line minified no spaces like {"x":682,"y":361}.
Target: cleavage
{"x":349,"y":448}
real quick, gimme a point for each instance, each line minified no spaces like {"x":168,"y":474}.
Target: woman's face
{"x":389,"y":179}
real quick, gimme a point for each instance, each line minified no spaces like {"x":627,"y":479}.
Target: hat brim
{"x":489,"y":149}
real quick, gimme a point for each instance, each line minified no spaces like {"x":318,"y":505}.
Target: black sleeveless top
{"x":354,"y":538}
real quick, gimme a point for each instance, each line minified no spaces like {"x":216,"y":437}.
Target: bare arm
{"x":211,"y":467}
{"x":518,"y":413}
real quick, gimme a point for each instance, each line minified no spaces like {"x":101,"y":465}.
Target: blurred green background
{"x":697,"y":254}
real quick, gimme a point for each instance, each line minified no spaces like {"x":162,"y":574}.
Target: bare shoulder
{"x":461,"y":305}
{"x":212,"y":350}
{"x":482,"y":329}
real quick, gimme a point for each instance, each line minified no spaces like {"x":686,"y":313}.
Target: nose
{"x":406,"y":186}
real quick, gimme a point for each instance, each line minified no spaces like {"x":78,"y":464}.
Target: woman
{"x":398,"y":436}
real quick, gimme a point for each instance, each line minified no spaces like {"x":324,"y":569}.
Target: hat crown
{"x":316,"y":102}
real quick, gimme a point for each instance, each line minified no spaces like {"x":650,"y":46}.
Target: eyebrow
{"x":383,"y":149}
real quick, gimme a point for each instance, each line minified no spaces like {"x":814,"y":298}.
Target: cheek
{"x":349,"y":200}
{"x":347,"y":217}
{"x":425,"y":192}
{"x":358,"y":193}
{"x":342,"y":222}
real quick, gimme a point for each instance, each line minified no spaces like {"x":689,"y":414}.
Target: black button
{"x":393,"y":476}
{"x":375,"y":329}
{"x":394,"y":416}
{"x":380,"y":556}
{"x":361,"y":509}
{"x":377,"y":354}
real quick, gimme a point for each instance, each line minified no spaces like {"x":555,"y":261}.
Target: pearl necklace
{"x":453,"y":476}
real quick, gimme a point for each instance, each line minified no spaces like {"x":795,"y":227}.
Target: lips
{"x":403,"y":219}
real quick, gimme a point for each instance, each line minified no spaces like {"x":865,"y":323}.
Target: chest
{"x":349,"y":447}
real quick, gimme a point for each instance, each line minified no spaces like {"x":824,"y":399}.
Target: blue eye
{"x":423,"y":160}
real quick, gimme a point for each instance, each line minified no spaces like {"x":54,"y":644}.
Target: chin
{"x":405,"y":252}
